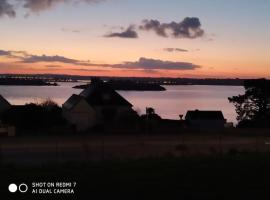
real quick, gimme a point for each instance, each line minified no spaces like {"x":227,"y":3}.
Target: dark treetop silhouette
{"x":253,"y":107}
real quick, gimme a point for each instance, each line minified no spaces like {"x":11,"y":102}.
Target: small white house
{"x":98,"y":104}
{"x":205,"y":119}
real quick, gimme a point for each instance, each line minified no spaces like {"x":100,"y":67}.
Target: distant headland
{"x":25,"y":82}
{"x":128,"y":85}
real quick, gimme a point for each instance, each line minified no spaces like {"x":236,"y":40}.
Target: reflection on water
{"x":25,"y":94}
{"x":169,"y":104}
{"x":178,"y":99}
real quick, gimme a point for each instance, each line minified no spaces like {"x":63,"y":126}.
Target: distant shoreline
{"x":148,"y":80}
{"x":81,"y":86}
{"x":25,"y":82}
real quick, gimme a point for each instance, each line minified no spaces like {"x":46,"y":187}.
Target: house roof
{"x":102,"y":94}
{"x":204,"y":115}
{"x":72,"y":101}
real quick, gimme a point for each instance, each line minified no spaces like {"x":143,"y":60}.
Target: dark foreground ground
{"x":245,"y":176}
{"x":44,"y":150}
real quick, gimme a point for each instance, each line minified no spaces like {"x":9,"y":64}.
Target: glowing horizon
{"x":111,"y":38}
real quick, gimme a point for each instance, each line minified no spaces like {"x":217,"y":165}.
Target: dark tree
{"x":35,"y":118}
{"x":253,"y":107}
{"x":49,"y":104}
{"x":150,"y":111}
{"x":150,"y":114}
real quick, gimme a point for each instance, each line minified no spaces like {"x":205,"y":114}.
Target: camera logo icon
{"x":12,"y":188}
{"x":23,"y":188}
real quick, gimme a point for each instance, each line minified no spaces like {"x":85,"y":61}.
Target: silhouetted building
{"x":4,"y":105}
{"x":205,"y":119}
{"x":5,"y":130}
{"x":98,"y":104}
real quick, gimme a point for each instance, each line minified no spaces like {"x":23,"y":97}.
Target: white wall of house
{"x":82,"y":115}
{"x":119,"y":110}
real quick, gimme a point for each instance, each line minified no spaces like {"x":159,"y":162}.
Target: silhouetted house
{"x":205,"y":119}
{"x":98,"y":104}
{"x":5,"y":130}
{"x":4,"y":105}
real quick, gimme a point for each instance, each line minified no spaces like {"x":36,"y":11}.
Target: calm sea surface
{"x":168,"y":104}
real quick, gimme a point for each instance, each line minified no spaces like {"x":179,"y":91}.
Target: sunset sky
{"x":172,"y":38}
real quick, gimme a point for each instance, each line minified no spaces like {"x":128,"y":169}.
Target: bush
{"x":34,"y":117}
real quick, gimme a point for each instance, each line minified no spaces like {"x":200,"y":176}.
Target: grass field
{"x":186,"y":166}
{"x":41,"y":150}
{"x":197,"y":177}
